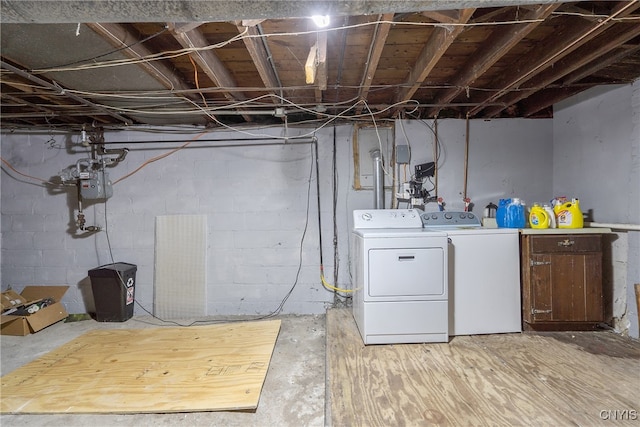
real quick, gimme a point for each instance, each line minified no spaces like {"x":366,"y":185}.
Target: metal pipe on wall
{"x":378,"y":179}
{"x":225,"y":142}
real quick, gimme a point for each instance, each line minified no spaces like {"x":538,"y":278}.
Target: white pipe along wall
{"x":262,"y":240}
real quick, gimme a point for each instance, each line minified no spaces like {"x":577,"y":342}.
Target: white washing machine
{"x":484,"y":274}
{"x":399,"y":278}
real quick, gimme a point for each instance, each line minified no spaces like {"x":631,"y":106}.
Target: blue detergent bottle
{"x":515,"y":217}
{"x":501,"y":212}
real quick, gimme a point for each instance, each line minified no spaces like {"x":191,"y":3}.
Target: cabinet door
{"x":566,"y":287}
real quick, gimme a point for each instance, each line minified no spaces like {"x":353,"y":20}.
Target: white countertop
{"x":586,"y":230}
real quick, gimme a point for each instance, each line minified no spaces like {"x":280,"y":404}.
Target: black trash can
{"x":113,"y":287}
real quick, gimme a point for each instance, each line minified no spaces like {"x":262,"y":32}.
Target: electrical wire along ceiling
{"x":370,"y":60}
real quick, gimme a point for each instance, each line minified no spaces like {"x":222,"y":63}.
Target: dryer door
{"x":412,"y":272}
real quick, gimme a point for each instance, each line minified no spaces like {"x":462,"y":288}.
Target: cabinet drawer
{"x":560,"y":243}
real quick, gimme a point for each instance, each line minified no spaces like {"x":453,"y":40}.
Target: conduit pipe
{"x":466,"y":159}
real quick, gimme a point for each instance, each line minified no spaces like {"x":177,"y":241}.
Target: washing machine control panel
{"x":450,"y":219}
{"x":387,"y":218}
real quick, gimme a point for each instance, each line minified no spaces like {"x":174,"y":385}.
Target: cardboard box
{"x":11,"y":299}
{"x":21,"y":325}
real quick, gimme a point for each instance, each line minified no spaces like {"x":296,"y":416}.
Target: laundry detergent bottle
{"x":501,"y":212}
{"x":552,"y":215}
{"x":569,"y":215}
{"x":516,"y":217}
{"x":538,"y":217}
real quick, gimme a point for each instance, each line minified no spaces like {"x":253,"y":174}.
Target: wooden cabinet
{"x":561,"y":281}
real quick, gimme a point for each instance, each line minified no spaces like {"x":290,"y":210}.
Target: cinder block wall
{"x":261,"y":204}
{"x":596,"y":146}
{"x":255,"y":200}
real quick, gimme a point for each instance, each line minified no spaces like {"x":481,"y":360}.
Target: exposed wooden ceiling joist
{"x":62,"y":91}
{"x":548,"y":97}
{"x":550,"y":52}
{"x":121,"y":38}
{"x":436,"y":46}
{"x":259,"y":54}
{"x":443,"y":61}
{"x":582,"y":56}
{"x":500,"y":42}
{"x":208,"y":61}
{"x":377,"y":45}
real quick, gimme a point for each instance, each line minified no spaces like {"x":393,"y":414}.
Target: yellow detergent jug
{"x":569,"y":215}
{"x":538,"y":217}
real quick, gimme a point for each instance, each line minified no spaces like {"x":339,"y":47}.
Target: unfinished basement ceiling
{"x":66,"y":64}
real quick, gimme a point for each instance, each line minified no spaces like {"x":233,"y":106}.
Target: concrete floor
{"x":293,"y":392}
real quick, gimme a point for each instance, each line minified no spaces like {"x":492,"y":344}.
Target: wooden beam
{"x":377,"y":45}
{"x":120,"y":37}
{"x":444,"y":16}
{"x":20,"y":102}
{"x":548,"y":53}
{"x":603,"y":62}
{"x":256,"y":48}
{"x":618,"y":34}
{"x":321,"y":74}
{"x":436,"y":46}
{"x":63,"y":92}
{"x":587,"y":14}
{"x":496,"y":14}
{"x":212,"y":66}
{"x":547,"y":97}
{"x":183,"y":27}
{"x":311,"y":65}
{"x":45,"y":95}
{"x":501,"y":41}
{"x":316,"y":66}
{"x":251,"y":22}
{"x":16,"y":83}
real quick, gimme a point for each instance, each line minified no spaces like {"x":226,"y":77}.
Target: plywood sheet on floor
{"x":159,"y":370}
{"x":506,"y":379}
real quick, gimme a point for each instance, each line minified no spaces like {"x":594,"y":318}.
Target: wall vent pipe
{"x":378,"y":179}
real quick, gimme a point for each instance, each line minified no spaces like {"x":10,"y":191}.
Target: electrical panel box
{"x":403,"y":155}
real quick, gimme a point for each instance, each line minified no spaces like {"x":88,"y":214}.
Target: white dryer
{"x":484,"y":274}
{"x":399,"y":278}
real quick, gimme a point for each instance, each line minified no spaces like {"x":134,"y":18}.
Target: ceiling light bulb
{"x":321,"y":20}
